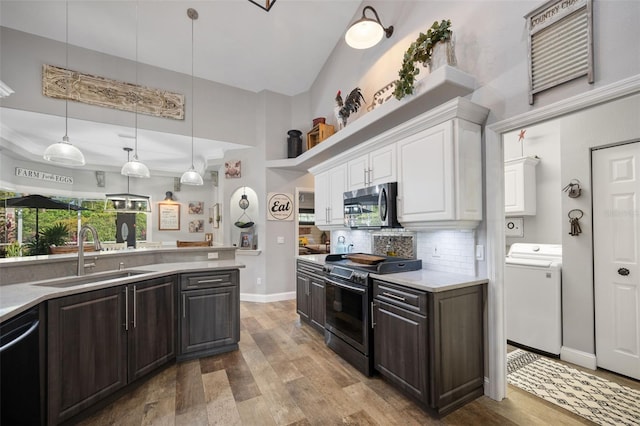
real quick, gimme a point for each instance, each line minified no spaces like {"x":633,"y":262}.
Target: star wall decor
{"x":521,"y":135}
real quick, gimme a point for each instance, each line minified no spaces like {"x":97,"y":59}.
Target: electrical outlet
{"x":258,"y":281}
{"x":435,"y":252}
{"x":479,"y":252}
{"x":213,"y":255}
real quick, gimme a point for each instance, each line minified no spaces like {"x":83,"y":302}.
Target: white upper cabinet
{"x":440,"y":177}
{"x":374,"y":168}
{"x":329,"y":189}
{"x":520,"y":186}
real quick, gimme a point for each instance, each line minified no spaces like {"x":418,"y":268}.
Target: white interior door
{"x":616,"y":223}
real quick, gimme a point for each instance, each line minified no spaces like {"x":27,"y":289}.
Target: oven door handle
{"x":346,"y":286}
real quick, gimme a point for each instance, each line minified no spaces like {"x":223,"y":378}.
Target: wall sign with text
{"x":280,"y":206}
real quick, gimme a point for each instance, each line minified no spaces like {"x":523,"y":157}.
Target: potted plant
{"x":56,"y":235}
{"x":420,"y":51}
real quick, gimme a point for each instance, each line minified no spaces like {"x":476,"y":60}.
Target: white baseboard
{"x":266,"y":298}
{"x":574,"y":356}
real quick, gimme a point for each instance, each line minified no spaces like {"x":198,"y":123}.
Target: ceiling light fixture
{"x":191,"y":176}
{"x":135,"y":168}
{"x":267,"y":4}
{"x":63,"y":152}
{"x":127,"y":202}
{"x":366,"y":32}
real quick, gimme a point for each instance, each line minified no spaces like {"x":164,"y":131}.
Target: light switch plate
{"x":213,"y":255}
{"x":514,"y":227}
{"x":280,"y":240}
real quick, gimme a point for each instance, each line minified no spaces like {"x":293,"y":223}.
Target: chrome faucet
{"x":96,"y":244}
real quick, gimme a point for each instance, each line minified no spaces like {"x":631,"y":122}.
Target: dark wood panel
{"x":302,"y":296}
{"x":457,"y":349}
{"x":317,"y":303}
{"x":400,"y":348}
{"x":152,"y":331}
{"x":87,"y":347}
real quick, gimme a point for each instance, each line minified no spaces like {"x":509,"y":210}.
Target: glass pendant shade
{"x":364,"y":34}
{"x":135,"y":168}
{"x":191,"y":177}
{"x":64,"y":153}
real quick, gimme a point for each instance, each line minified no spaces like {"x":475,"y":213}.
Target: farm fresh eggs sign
{"x":279,"y":206}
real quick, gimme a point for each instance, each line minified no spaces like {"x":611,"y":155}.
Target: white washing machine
{"x":533,"y":296}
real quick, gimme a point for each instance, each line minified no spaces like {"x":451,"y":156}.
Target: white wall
{"x":542,"y":140}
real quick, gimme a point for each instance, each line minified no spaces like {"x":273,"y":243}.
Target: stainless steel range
{"x":348,"y":292}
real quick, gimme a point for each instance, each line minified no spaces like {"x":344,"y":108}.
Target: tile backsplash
{"x":442,"y":250}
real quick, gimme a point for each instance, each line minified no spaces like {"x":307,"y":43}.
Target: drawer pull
{"x":393,"y":296}
{"x":210,"y":281}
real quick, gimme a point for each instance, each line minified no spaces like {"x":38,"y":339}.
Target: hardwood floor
{"x":283,"y":374}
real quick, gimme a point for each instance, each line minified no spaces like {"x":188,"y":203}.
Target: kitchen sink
{"x":90,"y":278}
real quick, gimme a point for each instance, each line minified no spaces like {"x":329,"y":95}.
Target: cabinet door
{"x":337,"y":187}
{"x":87,"y":350}
{"x":152,"y":327}
{"x":382,"y":165}
{"x":321,"y":198}
{"x":210,"y":318}
{"x":357,"y":172}
{"x":302,"y":296}
{"x":426,"y":175}
{"x":317,"y":303}
{"x":400,"y":348}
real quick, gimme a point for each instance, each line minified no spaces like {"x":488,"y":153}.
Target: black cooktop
{"x":389,"y":265}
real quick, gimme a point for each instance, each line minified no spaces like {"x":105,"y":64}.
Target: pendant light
{"x":191,"y":176}
{"x":135,"y":168}
{"x":63,"y":152}
{"x":367,"y":32}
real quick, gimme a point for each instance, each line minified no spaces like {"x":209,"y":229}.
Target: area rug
{"x":596,"y":399}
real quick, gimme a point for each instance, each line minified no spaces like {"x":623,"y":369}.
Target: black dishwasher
{"x":21,"y":370}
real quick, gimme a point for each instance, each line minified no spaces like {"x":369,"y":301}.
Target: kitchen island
{"x":101,"y":332}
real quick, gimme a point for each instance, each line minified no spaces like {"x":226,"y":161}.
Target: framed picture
{"x":196,"y":207}
{"x":232,"y":169}
{"x":214,"y":213}
{"x":168,"y":216}
{"x":196,"y":225}
{"x":246,"y":240}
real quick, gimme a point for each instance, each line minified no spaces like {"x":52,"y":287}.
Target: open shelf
{"x":440,"y":86}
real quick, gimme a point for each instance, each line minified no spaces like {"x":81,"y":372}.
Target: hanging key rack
{"x":574,"y":216}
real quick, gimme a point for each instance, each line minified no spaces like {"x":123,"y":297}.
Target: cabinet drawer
{"x":208,"y":279}
{"x":309,"y":268}
{"x":404,"y":297}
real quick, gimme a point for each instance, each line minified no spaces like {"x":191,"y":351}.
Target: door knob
{"x":623,"y":271}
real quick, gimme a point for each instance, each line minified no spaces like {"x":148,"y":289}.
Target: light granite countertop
{"x":16,"y":298}
{"x":313,"y":258}
{"x":432,"y":281}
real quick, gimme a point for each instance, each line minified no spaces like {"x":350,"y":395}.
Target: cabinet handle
{"x":126,"y":309}
{"x":393,"y":296}
{"x":365,"y":176}
{"x":369,"y":176}
{"x":184,"y":305}
{"x":209,"y":281}
{"x":135,"y":307}
{"x":373,"y":318}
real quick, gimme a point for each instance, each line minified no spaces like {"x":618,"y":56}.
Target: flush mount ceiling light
{"x":191,"y":176}
{"x":267,"y":4}
{"x":63,"y":152}
{"x":366,"y":32}
{"x":135,"y":168}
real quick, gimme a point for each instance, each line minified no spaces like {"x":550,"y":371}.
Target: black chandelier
{"x":267,"y":4}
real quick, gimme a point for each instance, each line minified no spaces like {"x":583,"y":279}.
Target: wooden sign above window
{"x":100,"y":91}
{"x":560,"y":44}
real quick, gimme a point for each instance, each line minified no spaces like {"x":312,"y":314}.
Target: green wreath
{"x":420,"y":51}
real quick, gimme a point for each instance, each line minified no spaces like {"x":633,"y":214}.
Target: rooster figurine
{"x":351,"y":104}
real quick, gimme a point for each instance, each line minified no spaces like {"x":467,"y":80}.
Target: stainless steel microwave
{"x":372,"y":207}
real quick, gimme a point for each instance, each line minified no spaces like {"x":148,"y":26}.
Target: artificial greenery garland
{"x":420,"y":51}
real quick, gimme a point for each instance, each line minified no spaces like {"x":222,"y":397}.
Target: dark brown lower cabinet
{"x":209,"y":314}
{"x":310,"y":294}
{"x":101,"y":340}
{"x":430,"y":345}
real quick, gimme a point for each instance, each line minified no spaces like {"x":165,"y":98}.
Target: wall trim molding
{"x":574,"y":356}
{"x":266,"y":298}
{"x":604,"y":94}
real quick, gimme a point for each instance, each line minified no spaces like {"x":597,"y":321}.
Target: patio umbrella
{"x":39,"y":202}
